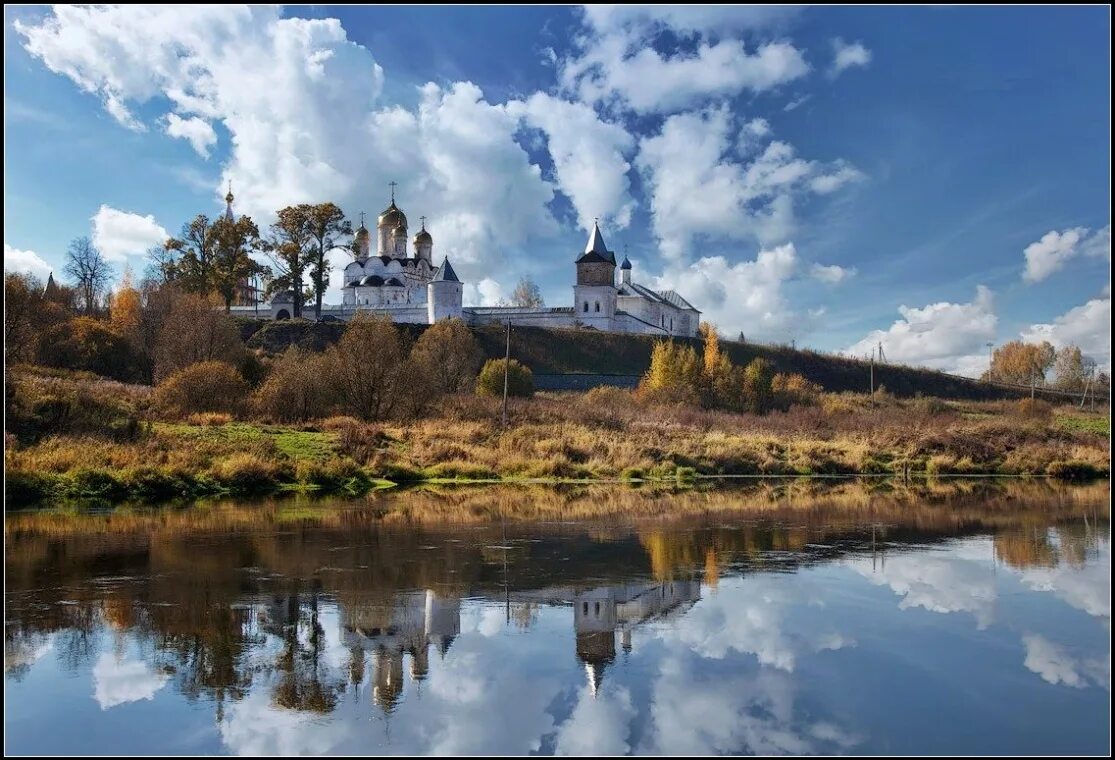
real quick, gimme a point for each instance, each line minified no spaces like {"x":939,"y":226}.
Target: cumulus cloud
{"x":27,"y":262}
{"x":1087,"y":326}
{"x":1055,"y":249}
{"x":698,"y":188}
{"x":616,"y":62}
{"x":598,"y":725}
{"x":300,"y":102}
{"x":197,"y":131}
{"x":119,"y":234}
{"x":847,"y":55}
{"x":745,"y":296}
{"x":833,"y":274}
{"x":946,"y":336}
{"x":588,"y":155}
{"x":1056,"y":665}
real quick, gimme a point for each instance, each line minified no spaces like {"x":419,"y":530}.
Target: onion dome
{"x":361,"y":231}
{"x":626,"y":264}
{"x":423,"y":238}
{"x":392,"y":217}
{"x":371,"y":281}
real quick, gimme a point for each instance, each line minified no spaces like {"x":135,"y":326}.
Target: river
{"x":970,"y":617}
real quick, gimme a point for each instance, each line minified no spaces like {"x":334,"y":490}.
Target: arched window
{"x":598,"y":306}
{"x":586,"y":306}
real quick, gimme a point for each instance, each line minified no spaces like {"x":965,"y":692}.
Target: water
{"x":950,"y":619}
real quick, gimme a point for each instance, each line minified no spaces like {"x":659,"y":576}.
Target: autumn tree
{"x":194,"y":331}
{"x":675,"y":373}
{"x":22,"y":299}
{"x":89,"y":271}
{"x":296,"y":389}
{"x":193,"y":255}
{"x":231,"y":263}
{"x":519,"y":378}
{"x":1022,"y":363}
{"x":527,"y":295}
{"x":290,"y":248}
{"x":326,"y":227}
{"x":127,"y":306}
{"x":448,"y":357}
{"x":758,"y":386}
{"x":162,"y":263}
{"x":367,"y":367}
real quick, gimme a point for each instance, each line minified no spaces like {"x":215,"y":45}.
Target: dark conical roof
{"x":626,"y":263}
{"x":445,"y":272}
{"x":596,"y":250}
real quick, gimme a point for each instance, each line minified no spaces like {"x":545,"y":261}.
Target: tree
{"x":367,"y":367}
{"x":527,"y":295}
{"x":89,"y":271}
{"x":1022,"y":363}
{"x":1071,"y":368}
{"x":196,"y":250}
{"x":231,"y":261}
{"x":520,"y":380}
{"x":758,"y":386}
{"x":162,"y":263}
{"x":22,"y":299}
{"x":289,"y":248}
{"x":194,"y":331}
{"x":325,"y":225}
{"x":90,"y":344}
{"x":126,"y":306}
{"x":296,"y":388}
{"x":210,"y":386}
{"x":447,"y":357}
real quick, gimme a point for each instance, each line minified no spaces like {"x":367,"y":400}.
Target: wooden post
{"x":506,"y":369}
{"x":872,"y":376}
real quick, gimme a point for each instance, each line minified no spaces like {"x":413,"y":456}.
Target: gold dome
{"x":392,"y":217}
{"x":423,"y":237}
{"x":401,"y":231}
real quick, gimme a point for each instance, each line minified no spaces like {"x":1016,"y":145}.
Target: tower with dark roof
{"x":594,"y":295}
{"x":444,"y":294}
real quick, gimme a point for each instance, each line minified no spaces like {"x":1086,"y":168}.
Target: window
{"x":586,"y":306}
{"x":584,"y":608}
{"x":597,"y":609}
{"x":598,"y":306}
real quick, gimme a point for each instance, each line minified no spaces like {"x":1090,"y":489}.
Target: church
{"x":400,"y":279}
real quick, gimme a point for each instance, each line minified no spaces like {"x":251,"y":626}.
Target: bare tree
{"x":527,"y":295}
{"x":89,"y":271}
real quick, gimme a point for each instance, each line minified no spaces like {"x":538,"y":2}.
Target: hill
{"x":614,"y":358}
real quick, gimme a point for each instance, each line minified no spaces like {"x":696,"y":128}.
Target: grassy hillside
{"x":549,"y":351}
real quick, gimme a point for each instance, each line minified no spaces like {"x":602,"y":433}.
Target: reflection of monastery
{"x":406,"y":285}
{"x":411,"y":623}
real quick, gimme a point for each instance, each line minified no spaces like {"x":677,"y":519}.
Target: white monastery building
{"x":407,"y":286}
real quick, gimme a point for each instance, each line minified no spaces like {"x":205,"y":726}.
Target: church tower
{"x":424,"y":244}
{"x":363,"y":242}
{"x":388,"y":226}
{"x":444,"y":294}
{"x":594,"y":295}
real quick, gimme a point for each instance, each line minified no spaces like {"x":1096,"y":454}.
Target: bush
{"x":203,"y":387}
{"x":209,"y":419}
{"x":1035,"y":409}
{"x":296,"y":389}
{"x":930,"y":406}
{"x":520,"y":380}
{"x":88,"y":344}
{"x":41,"y":405}
{"x":193,"y":331}
{"x":794,"y":389}
{"x":244,"y":474}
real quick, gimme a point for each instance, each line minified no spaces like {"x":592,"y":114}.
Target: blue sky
{"x":928,"y":178}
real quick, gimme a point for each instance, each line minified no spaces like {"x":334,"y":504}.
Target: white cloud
{"x":744,"y":296}
{"x":751,"y":135}
{"x":300,"y":103}
{"x":689,"y":19}
{"x":197,"y":131}
{"x":944,"y":335}
{"x":1087,"y":326}
{"x":119,"y":234}
{"x":27,"y":262}
{"x":486,"y":292}
{"x":598,"y":725}
{"x":588,"y":155}
{"x":833,"y":275}
{"x":1056,"y":665}
{"x":698,"y":189}
{"x":845,"y":56}
{"x":118,"y":680}
{"x":1054,"y":250}
{"x":797,"y":103}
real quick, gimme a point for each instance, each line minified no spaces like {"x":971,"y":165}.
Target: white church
{"x":407,"y":286}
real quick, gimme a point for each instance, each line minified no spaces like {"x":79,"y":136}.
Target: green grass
{"x":297,"y":445}
{"x":1085,"y":423}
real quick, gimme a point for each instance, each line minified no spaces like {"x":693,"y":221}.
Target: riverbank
{"x":606,"y":434}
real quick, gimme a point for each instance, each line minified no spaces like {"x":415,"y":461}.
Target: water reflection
{"x":711,"y":622}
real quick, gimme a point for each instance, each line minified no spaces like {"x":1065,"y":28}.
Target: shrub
{"x":245,"y":473}
{"x":520,"y":380}
{"x":89,"y":344}
{"x":42,"y":405}
{"x":790,"y":389}
{"x":931,"y":406}
{"x":758,"y":386}
{"x":296,"y":389}
{"x":367,"y":366}
{"x":1035,"y":409}
{"x":193,"y":331}
{"x":209,"y":419}
{"x":448,"y":357}
{"x":203,"y":387}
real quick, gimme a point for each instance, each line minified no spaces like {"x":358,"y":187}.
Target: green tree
{"x":195,"y":251}
{"x":232,"y":263}
{"x":520,"y":380}
{"x":290,"y":248}
{"x":326,"y":226}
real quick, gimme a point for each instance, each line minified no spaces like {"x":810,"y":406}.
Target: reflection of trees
{"x":195,"y":581}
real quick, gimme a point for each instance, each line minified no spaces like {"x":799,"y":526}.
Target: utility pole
{"x":506,"y":369}
{"x":872,"y":376}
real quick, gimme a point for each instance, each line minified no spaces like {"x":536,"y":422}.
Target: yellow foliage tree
{"x":127,"y":306}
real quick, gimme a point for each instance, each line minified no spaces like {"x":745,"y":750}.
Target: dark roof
{"x":371,"y":280}
{"x":592,"y":257}
{"x":394,"y":281}
{"x":445,"y":272}
{"x":626,"y":263}
{"x":596,"y":250}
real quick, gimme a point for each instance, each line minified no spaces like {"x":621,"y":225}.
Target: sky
{"x":932,"y":179}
